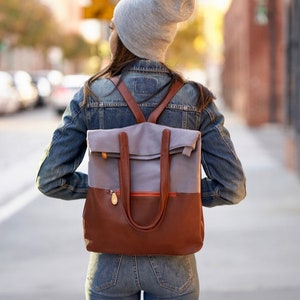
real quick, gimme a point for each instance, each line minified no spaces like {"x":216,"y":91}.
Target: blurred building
{"x":72,"y":17}
{"x":66,"y":12}
{"x":292,"y":88}
{"x":253,"y":78}
{"x":261,"y":73}
{"x":68,"y":15}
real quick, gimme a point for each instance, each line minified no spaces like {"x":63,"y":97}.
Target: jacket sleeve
{"x":225,"y":182}
{"x":57,"y":176}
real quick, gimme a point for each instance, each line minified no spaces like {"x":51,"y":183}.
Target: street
{"x":251,"y":251}
{"x":42,"y":254}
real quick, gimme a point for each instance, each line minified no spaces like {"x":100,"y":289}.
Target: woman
{"x":141,"y":34}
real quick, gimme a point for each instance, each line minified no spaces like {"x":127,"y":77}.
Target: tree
{"x":189,"y":47}
{"x":75,"y":47}
{"x":27,"y":23}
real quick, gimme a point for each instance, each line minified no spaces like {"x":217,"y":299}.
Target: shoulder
{"x":96,"y":89}
{"x":102,"y":86}
{"x":202,"y":93}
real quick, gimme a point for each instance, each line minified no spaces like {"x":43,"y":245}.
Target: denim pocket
{"x":173,"y":272}
{"x":103,"y":271}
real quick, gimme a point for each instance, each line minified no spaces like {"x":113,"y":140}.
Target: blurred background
{"x":246,"y":51}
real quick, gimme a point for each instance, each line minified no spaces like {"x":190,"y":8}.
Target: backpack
{"x":144,"y":195}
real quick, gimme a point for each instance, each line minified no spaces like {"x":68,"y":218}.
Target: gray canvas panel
{"x":185,"y":172}
{"x":144,"y":139}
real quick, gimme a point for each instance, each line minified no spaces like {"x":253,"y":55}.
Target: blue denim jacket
{"x":57,"y":177}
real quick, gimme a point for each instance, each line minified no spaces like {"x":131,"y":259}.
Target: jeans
{"x":127,"y":277}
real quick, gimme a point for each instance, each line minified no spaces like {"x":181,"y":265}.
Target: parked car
{"x":9,"y":96}
{"x":63,"y":93}
{"x":45,"y":81}
{"x":27,"y":91}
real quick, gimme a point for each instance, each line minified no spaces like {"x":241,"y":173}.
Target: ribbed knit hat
{"x":148,"y":27}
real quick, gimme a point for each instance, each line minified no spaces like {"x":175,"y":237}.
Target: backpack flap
{"x":144,"y":140}
{"x":145,"y":145}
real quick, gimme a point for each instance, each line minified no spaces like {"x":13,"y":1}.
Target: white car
{"x":27,"y":90}
{"x":9,"y":96}
{"x":63,"y":93}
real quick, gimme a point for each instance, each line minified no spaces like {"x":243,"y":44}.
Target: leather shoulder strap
{"x":163,"y":104}
{"x":135,"y":108}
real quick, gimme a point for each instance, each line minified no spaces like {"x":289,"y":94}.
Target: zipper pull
{"x":114,"y":198}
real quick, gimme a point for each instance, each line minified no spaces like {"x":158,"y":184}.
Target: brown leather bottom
{"x":108,"y":230}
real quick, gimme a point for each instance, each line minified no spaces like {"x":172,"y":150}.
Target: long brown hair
{"x":123,"y":58}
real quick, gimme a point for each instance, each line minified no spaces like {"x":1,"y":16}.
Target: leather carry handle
{"x":124,"y":174}
{"x":135,"y":108}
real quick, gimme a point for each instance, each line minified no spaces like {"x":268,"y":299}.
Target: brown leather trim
{"x":160,"y":108}
{"x":124,"y":173}
{"x":134,"y":107}
{"x":106,"y":228}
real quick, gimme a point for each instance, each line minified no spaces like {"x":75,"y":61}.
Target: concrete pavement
{"x":252,"y":250}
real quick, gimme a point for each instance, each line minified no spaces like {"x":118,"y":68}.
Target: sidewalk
{"x":252,"y":250}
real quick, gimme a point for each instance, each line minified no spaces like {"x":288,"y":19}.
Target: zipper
{"x":114,"y":195}
{"x":142,"y":194}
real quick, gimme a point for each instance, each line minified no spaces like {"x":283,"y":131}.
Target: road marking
{"x":17,"y":203}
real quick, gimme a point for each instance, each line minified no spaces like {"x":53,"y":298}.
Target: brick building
{"x":261,"y":74}
{"x":253,"y":78}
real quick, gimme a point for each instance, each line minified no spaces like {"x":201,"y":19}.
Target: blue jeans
{"x":125,"y":277}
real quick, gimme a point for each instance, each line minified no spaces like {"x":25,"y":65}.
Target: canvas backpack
{"x":144,"y":195}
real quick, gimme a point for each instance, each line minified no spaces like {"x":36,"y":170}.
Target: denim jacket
{"x":224,"y":181}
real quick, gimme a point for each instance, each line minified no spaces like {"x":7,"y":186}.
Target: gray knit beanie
{"x":148,"y":27}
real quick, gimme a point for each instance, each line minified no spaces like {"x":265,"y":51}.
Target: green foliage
{"x":74,"y":46}
{"x":27,"y":23}
{"x":189,"y":47}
